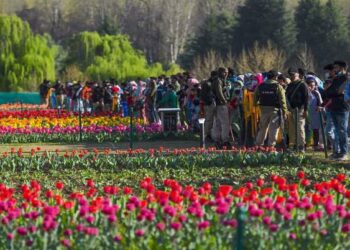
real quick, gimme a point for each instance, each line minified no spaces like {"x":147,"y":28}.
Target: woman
{"x":315,"y":101}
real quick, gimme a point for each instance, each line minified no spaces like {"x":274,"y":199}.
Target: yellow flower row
{"x":46,"y":122}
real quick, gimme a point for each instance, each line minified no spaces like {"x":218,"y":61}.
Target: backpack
{"x":207,"y":95}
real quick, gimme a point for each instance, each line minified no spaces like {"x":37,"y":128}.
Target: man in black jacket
{"x":297,"y":100}
{"x":339,"y":109}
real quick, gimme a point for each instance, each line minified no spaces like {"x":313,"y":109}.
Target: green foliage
{"x":265,"y":20}
{"x":103,"y":57}
{"x":215,"y":35}
{"x":25,"y":59}
{"x":324,"y":29}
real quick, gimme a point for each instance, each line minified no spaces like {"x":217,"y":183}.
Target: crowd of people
{"x":271,"y":107}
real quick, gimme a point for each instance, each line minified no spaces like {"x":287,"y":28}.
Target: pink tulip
{"x":176,"y":226}
{"x":139,"y":233}
{"x":160,"y":226}
{"x":203,"y":225}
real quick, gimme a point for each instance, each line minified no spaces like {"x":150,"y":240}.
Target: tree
{"x":265,"y":20}
{"x":305,"y":59}
{"x":324,"y":29}
{"x":203,"y":65}
{"x":110,"y":56}
{"x":215,"y":34}
{"x":261,"y":58}
{"x":25,"y":59}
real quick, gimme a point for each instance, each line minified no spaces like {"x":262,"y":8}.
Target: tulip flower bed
{"x":21,"y":106}
{"x":33,"y":126}
{"x":274,"y":215}
{"x":153,"y":159}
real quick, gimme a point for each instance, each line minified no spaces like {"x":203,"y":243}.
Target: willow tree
{"x":110,"y":56}
{"x":25,"y":59}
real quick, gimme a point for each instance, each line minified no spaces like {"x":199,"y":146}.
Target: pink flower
{"x":66,"y":243}
{"x":267,"y":220}
{"x":117,"y":238}
{"x":10,"y":236}
{"x":93,"y":231}
{"x":80,"y":228}
{"x":273,"y":227}
{"x":112,"y":218}
{"x":22,"y":231}
{"x":139,"y":233}
{"x":203,"y":225}
{"x":182,"y":218}
{"x":160,"y":226}
{"x":68,"y":232}
{"x":222,"y":209}
{"x":231,"y":223}
{"x":176,"y":226}
{"x":32,"y":228}
{"x":345,"y":228}
{"x":292,"y":236}
{"x":90,"y":219}
{"x":169,"y":210}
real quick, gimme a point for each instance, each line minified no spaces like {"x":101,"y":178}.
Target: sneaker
{"x":342,"y":158}
{"x":334,"y":156}
{"x":218,"y":146}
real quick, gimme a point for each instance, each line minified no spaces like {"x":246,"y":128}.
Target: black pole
{"x":131,"y":125}
{"x":241,"y":219}
{"x":323,"y":134}
{"x":80,"y":125}
{"x":202,"y":145}
{"x":296,"y":118}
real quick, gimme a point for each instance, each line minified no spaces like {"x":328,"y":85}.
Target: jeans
{"x":330,"y":132}
{"x":340,"y":120}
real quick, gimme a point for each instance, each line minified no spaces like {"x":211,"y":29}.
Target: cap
{"x":293,"y":71}
{"x":341,"y":64}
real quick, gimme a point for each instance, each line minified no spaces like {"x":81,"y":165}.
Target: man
{"x":44,"y":91}
{"x":334,"y":142}
{"x":339,"y":109}
{"x":297,"y":100}
{"x":207,"y":99}
{"x":60,"y":92}
{"x":270,"y":96}
{"x":222,"y":123}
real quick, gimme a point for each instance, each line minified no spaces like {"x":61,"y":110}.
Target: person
{"x":283,"y":81}
{"x":97,"y":97}
{"x":60,"y":92}
{"x":169,"y":99}
{"x":151,"y":94}
{"x":330,"y":75}
{"x":315,"y":101}
{"x":86,"y":94}
{"x":222,"y":123}
{"x":44,"y":91}
{"x":297,"y":102}
{"x":77,"y":94}
{"x":207,"y":99}
{"x":270,"y":96}
{"x":339,"y":109}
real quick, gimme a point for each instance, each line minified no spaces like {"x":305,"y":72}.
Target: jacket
{"x":281,"y":96}
{"x":336,"y":95}
{"x":297,"y":95}
{"x":217,"y":87}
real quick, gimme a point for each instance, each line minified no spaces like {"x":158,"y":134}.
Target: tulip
{"x":139,"y":232}
{"x":160,"y":226}
{"x":176,"y":226}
